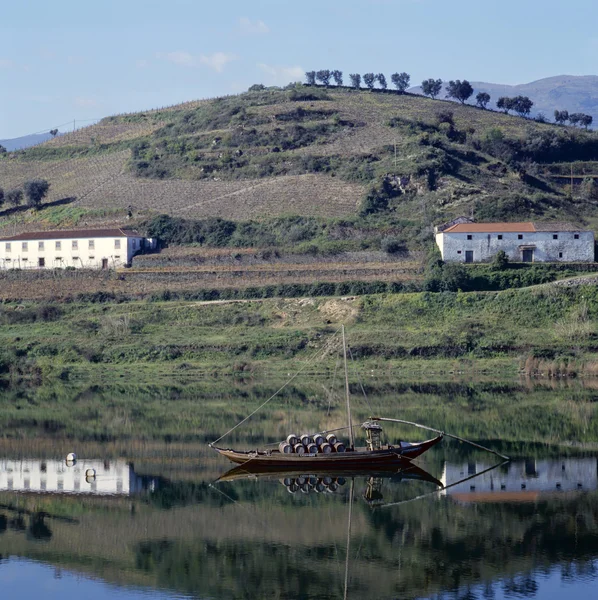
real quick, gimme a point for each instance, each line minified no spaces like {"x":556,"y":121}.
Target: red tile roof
{"x":491,"y":228}
{"x":66,"y":234}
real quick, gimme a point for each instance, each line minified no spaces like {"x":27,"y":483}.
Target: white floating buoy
{"x":71,"y":457}
{"x":90,"y":473}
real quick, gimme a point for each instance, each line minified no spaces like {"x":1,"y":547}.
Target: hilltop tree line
{"x":458,"y":90}
{"x":33,"y":192}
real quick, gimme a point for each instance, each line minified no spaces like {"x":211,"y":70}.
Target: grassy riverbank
{"x":547,"y":329}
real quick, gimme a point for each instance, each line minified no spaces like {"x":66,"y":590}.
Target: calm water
{"x":155,"y":523}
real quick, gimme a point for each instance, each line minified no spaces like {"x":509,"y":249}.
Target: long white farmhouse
{"x":522,"y":242}
{"x":81,"y":249}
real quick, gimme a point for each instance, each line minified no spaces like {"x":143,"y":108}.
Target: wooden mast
{"x":351,"y":441}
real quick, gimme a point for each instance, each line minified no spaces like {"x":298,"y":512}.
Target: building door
{"x":41,"y":262}
{"x":468,"y":256}
{"x":104,"y":263}
{"x":528,"y":255}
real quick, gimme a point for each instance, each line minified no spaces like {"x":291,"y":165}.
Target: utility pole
{"x":395,"y":156}
{"x":74,"y":124}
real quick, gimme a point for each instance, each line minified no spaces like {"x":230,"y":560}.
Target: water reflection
{"x":509,"y":532}
{"x":94,"y":477}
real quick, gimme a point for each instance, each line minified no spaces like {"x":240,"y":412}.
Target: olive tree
{"x":459,"y":90}
{"x":432,"y":87}
{"x":482,"y":99}
{"x":400,"y":81}
{"x":355,"y":80}
{"x":338,"y":77}
{"x":370,"y":80}
{"x":35,"y":191}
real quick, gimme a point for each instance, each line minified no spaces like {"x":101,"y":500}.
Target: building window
{"x":91,"y":245}
{"x":24,"y":246}
{"x":75,"y":258}
{"x":458,"y":251}
{"x":576,"y":236}
{"x":499,"y":236}
{"x":117,"y":244}
{"x":8,"y":247}
{"x":520,"y":237}
{"x":92,"y":258}
{"x":117,"y":258}
{"x":41,"y":262}
{"x":469,"y":237}
{"x":560,"y":255}
{"x":75,"y":245}
{"x":58,"y":246}
{"x":555,"y":236}
{"x":40,"y":245}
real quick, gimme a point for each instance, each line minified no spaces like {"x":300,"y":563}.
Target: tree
{"x":400,"y":81}
{"x":54,"y":132}
{"x":432,"y":87}
{"x":2,"y":149}
{"x":505,"y":104}
{"x":338,"y":77}
{"x":382,"y":80}
{"x":355,"y":80}
{"x":310,"y":77}
{"x":35,"y":191}
{"x":575,"y":118}
{"x":500,"y":261}
{"x":586,"y":121}
{"x":369,"y":79}
{"x":14,"y":197}
{"x":1,"y":196}
{"x":589,"y":189}
{"x":522,"y":105}
{"x":324,"y":76}
{"x":459,"y":90}
{"x":561,"y":116}
{"x":482,"y":99}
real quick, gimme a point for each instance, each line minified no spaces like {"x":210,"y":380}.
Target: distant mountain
{"x":26,"y":141}
{"x":563,"y":92}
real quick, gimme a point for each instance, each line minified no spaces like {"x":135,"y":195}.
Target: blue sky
{"x":68,"y":59}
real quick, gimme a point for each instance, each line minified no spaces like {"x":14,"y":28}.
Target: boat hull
{"x":352,"y":459}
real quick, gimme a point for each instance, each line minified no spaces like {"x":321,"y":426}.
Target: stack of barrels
{"x":307,"y":444}
{"x":312,"y":483}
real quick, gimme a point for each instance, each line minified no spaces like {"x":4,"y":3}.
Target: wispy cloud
{"x":282,"y":75}
{"x":250,"y":27}
{"x":216,"y":61}
{"x":6,"y":63}
{"x":142,"y":63}
{"x":85,"y":102}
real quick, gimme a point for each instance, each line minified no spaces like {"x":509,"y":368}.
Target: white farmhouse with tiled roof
{"x":522,"y":242}
{"x":81,"y":249}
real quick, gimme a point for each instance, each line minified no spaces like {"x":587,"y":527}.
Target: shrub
{"x":393,"y":245}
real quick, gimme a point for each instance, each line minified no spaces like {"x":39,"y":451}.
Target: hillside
{"x":378,"y":162}
{"x":577,"y":94}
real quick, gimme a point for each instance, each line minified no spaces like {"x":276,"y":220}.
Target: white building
{"x":522,"y":242}
{"x":85,"y":248}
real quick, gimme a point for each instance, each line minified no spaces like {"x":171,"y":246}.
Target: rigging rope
{"x":307,"y":363}
{"x":359,"y":379}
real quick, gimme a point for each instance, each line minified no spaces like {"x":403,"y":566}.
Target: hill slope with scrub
{"x":374,"y":160}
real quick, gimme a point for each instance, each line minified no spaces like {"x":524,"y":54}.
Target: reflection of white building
{"x":519,"y":480}
{"x":54,"y":476}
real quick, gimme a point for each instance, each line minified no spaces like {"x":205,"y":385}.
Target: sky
{"x":70,"y":61}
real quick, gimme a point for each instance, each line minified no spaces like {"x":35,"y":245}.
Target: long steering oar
{"x":456,"y":437}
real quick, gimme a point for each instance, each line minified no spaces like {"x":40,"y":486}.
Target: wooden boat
{"x":369,"y":457}
{"x":350,"y":459}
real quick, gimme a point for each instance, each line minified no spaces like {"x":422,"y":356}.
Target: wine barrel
{"x":326,"y":448}
{"x":292,"y":439}
{"x":301,"y":480}
{"x":319,"y":439}
{"x":299,"y":449}
{"x":326,"y":480}
{"x":312,"y":449}
{"x":341,"y":480}
{"x":292,"y":488}
{"x":285,"y":448}
{"x":287,"y":481}
{"x":305,"y":439}
{"x":339,"y":447}
{"x":331,"y":439}
{"x":333,"y":487}
{"x":320,"y":487}
{"x":312,"y":480}
{"x":305,"y":488}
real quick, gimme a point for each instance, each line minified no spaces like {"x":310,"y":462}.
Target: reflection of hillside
{"x":257,"y":540}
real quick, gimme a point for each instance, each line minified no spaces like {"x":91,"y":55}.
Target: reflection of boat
{"x":406,"y":470}
{"x":43,"y":476}
{"x":311,"y":456}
